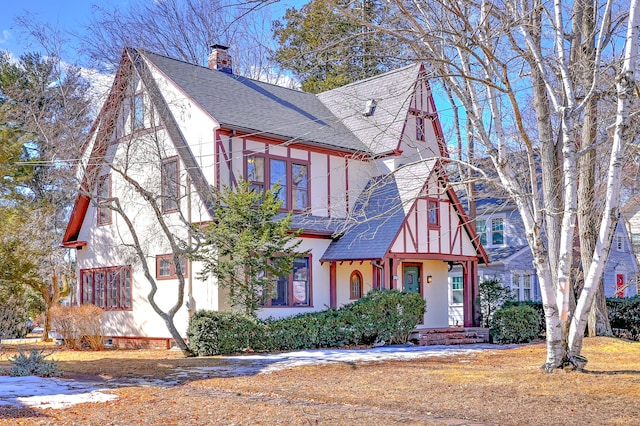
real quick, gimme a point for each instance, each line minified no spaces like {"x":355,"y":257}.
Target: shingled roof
{"x":241,"y":103}
{"x":391,"y":92}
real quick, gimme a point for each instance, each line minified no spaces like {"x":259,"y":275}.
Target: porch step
{"x":452,"y":336}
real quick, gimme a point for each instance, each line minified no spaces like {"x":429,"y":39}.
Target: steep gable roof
{"x":391,"y":91}
{"x":240,"y":103}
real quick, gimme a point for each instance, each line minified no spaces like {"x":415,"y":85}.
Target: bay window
{"x":108,"y":288}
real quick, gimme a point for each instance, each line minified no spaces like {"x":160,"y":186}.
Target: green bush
{"x":624,"y":316}
{"x":13,"y":318}
{"x":214,"y":333}
{"x":537,"y":306}
{"x":515,"y":324}
{"x":386,"y":316}
{"x":33,"y":364}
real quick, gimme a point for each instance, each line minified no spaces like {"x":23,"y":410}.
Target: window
{"x":107,"y":288}
{"x":291,"y":176}
{"x":166,"y":269}
{"x":526,"y":287}
{"x":255,"y":172}
{"x":170,"y":185}
{"x":419,"y":128}
{"x":497,"y":233}
{"x":103,"y":193}
{"x":481,"y":230}
{"x":456,"y":291}
{"x":433,"y":213}
{"x":355,"y":285}
{"x":295,"y":289}
{"x":137,"y":117}
{"x":635,"y":238}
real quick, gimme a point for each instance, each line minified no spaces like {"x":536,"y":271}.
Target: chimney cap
{"x":219,"y":46}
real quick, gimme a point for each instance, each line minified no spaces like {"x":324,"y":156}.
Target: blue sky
{"x":62,"y":14}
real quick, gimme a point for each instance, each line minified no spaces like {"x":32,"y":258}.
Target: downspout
{"x":377,"y":264}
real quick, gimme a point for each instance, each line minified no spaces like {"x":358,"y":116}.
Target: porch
{"x":450,"y":335}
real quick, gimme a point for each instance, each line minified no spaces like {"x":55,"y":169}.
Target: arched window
{"x":355,"y":285}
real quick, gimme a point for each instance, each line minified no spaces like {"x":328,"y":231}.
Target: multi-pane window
{"x":166,"y":269}
{"x":294,"y":289}
{"x":103,"y":193}
{"x":522,"y":286}
{"x":635,"y":238}
{"x":170,"y":185}
{"x":526,"y":287}
{"x":419,"y":128}
{"x":433,"y":213}
{"x":497,"y":231}
{"x":355,"y":285}
{"x":137,"y":116}
{"x":292,"y":177}
{"x":456,"y":290}
{"x":107,"y":288}
{"x":481,"y":230}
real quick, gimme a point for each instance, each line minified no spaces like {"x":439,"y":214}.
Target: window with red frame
{"x":433,"y":213}
{"x":293,"y":290}
{"x":292,"y":176}
{"x":170,"y":185}
{"x":108,"y":288}
{"x":419,"y":128}
{"x":166,"y":268}
{"x":103,"y":193}
{"x":355,"y":285}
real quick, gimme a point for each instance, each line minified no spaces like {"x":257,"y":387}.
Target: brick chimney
{"x":219,"y":59}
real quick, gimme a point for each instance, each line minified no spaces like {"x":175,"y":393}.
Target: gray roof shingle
{"x":244,"y":104}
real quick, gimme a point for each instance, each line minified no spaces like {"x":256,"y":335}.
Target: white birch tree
{"x":506,"y":62}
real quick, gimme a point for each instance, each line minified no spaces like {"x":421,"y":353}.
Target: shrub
{"x":624,"y":316}
{"x":79,"y":326}
{"x":515,"y":324}
{"x":33,"y":364}
{"x":386,"y":316}
{"x":537,"y":306}
{"x":491,"y":296}
{"x":13,"y":319}
{"x":214,"y":333}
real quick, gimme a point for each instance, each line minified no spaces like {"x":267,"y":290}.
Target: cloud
{"x":5,"y":37}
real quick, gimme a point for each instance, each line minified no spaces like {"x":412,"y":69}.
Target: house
{"x":360,"y":166}
{"x":501,"y":232}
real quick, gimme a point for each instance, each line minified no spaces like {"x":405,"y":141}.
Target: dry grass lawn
{"x":503,"y":387}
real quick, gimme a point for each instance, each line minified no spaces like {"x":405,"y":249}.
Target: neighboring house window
{"x":419,"y":128}
{"x":481,"y":230}
{"x":433,"y":213}
{"x":635,"y":238}
{"x":456,"y":291}
{"x":103,"y":193}
{"x":170,"y":185}
{"x":166,"y":269}
{"x":497,"y":232}
{"x":292,"y":176}
{"x":355,"y":285}
{"x":522,"y":286}
{"x":108,"y":288}
{"x":294,"y":289}
{"x":137,"y":116}
{"x":619,"y":243}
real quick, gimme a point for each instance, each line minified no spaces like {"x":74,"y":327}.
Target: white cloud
{"x":5,"y":37}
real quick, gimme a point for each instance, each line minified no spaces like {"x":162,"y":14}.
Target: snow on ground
{"x":41,"y":392}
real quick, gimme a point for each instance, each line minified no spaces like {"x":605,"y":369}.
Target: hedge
{"x":515,"y":324}
{"x":386,"y":316}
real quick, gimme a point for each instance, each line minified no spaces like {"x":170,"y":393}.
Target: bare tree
{"x":503,"y":60}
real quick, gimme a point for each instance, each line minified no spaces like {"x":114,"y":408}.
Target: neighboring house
{"x":501,"y":232}
{"x":359,"y":166}
{"x":631,"y":215}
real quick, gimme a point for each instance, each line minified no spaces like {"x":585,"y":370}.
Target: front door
{"x":411,"y":278}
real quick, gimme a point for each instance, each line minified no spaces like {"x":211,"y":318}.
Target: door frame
{"x":420,"y":277}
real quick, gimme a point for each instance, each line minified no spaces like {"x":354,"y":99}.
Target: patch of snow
{"x":41,"y":392}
